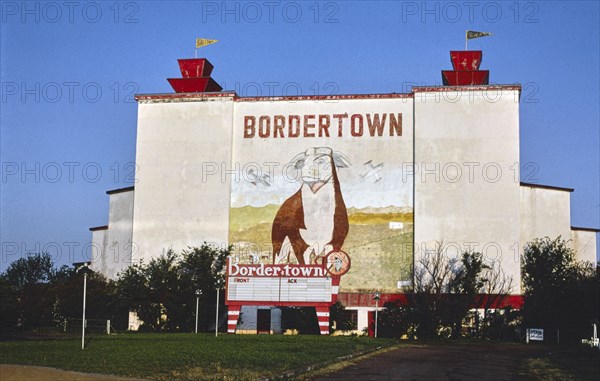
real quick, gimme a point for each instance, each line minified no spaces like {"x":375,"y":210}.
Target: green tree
{"x":8,"y":302}
{"x":133,"y":292}
{"x":338,"y":318}
{"x":559,"y":292}
{"x":203,"y":268}
{"x":445,"y":291}
{"x":396,"y":320}
{"x":162,"y":277}
{"x":163,"y":292}
{"x":465,"y":286}
{"x":29,"y":278}
{"x":143,"y":288}
{"x":67,"y":291}
{"x":302,"y":319}
{"x":35,"y":293}
{"x":34,"y":269}
{"x":499,"y":319}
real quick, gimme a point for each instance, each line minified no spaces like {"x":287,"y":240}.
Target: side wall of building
{"x":466,"y":190}
{"x":584,"y":243}
{"x":112,"y":247}
{"x":182,"y":192}
{"x":544,"y":213}
{"x":120,"y":229}
{"x":99,"y":260}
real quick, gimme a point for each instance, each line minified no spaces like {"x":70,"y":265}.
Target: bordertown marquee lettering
{"x":262,"y":270}
{"x":279,"y":283}
{"x":322,"y":125}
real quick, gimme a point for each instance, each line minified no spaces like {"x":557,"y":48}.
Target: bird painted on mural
{"x":255,"y":179}
{"x":373,"y":170}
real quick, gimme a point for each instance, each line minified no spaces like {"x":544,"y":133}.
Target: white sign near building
{"x":536,"y":334}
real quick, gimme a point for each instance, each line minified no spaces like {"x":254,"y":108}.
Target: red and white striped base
{"x":233,"y":315}
{"x":323,"y":318}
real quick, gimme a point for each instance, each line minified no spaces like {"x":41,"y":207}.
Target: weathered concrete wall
{"x":120,"y":229}
{"x":112,"y":247}
{"x":584,"y":243}
{"x":466,"y":194}
{"x":544,"y":213}
{"x":99,"y":260}
{"x":176,"y":204}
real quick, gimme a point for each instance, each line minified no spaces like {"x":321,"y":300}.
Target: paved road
{"x":458,"y":362}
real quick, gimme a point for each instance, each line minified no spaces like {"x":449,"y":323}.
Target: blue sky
{"x":68,"y":72}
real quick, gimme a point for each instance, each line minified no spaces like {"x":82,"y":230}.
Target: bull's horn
{"x":340,"y":160}
{"x":298,"y":160}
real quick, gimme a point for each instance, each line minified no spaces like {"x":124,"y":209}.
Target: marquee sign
{"x":285,"y":285}
{"x":281,"y":285}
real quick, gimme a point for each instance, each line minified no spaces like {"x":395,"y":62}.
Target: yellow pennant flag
{"x":200,"y":42}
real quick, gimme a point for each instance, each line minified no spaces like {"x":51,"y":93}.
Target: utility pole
{"x":85,"y":268}
{"x":198,"y":293}
{"x":376,"y":297}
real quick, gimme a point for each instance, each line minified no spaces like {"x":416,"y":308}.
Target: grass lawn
{"x":186,"y":356}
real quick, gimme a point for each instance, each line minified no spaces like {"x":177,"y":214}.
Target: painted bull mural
{"x":314,"y":220}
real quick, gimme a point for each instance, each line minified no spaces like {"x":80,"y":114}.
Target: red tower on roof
{"x":196,"y":77}
{"x":466,"y":69}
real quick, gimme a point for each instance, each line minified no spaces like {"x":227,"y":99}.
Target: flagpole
{"x":466,"y":40}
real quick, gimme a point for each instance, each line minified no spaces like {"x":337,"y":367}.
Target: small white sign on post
{"x":536,"y":334}
{"x":594,"y":341}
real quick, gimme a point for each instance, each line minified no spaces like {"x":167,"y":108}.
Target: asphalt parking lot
{"x":448,"y":362}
